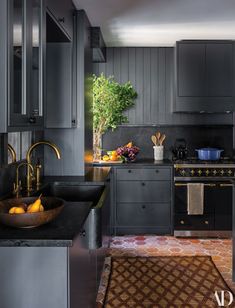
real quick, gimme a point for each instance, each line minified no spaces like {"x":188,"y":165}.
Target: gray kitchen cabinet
{"x":62,"y":12}
{"x":205,"y":76}
{"x":23,"y":33}
{"x":61,"y":104}
{"x":142,"y":200}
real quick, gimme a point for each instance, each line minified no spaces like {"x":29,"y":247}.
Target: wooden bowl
{"x":52,"y":207}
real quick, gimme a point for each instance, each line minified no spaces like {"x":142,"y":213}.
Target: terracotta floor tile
{"x":220,"y":250}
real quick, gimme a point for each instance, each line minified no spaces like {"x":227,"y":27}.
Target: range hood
{"x":97,"y":45}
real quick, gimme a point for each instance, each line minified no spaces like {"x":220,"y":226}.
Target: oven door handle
{"x":226,"y":185}
{"x":182,"y":184}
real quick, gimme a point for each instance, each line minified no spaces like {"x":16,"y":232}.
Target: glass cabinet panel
{"x":36,"y":63}
{"x":17,"y":82}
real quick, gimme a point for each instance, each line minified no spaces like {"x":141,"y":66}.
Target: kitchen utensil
{"x":154,"y":140}
{"x":209,"y":153}
{"x":162,"y":138}
{"x":180,"y":150}
{"x":158,"y":135}
{"x":52,"y":207}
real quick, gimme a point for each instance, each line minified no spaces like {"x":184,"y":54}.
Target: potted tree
{"x":110,"y":99}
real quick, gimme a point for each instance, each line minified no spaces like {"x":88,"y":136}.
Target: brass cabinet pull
{"x":226,"y":185}
{"x":206,"y":222}
{"x":182,"y":222}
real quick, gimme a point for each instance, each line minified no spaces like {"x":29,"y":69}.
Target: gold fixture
{"x":28,"y":158}
{"x":206,"y":222}
{"x":207,"y":172}
{"x":12,"y":152}
{"x":226,"y":185}
{"x":192,"y":172}
{"x":199,"y":172}
{"x":17,"y":184}
{"x":182,"y":184}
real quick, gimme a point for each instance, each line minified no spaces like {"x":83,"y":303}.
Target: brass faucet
{"x":17,"y":184}
{"x":12,"y":152}
{"x":28,"y":158}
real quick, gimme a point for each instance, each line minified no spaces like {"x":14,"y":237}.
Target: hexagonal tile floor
{"x":150,"y":245}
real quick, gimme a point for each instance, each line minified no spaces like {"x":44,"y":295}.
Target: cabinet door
{"x":191,"y":70}
{"x":18,"y":63}
{"x":25,"y":63}
{"x":219,"y":67}
{"x":59,"y":85}
{"x":37,"y":42}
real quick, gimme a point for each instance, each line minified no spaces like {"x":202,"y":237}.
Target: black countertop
{"x":94,"y":176}
{"x":59,"y":233}
{"x":138,"y":162}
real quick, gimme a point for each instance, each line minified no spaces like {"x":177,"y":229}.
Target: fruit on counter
{"x":129,"y":144}
{"x":16,"y":210}
{"x":36,"y":206}
{"x":105,"y":158}
{"x":111,"y":155}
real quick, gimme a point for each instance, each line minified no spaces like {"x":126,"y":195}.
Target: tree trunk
{"x":97,"y":146}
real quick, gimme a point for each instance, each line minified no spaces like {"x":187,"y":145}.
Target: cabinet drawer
{"x":132,"y":174}
{"x":144,"y":191}
{"x":142,"y":214}
{"x":193,"y":222}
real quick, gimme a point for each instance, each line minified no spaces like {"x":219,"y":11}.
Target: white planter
{"x":158,"y":152}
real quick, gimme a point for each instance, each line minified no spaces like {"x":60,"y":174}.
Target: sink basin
{"x":74,"y":192}
{"x":82,"y":192}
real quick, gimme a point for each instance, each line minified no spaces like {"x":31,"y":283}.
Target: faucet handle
{"x":17,"y":187}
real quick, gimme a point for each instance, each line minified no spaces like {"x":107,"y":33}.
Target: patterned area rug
{"x":160,"y":282}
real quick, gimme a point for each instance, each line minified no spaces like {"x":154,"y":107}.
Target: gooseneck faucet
{"x":17,"y":184}
{"x":28,"y":158}
{"x":12,"y":152}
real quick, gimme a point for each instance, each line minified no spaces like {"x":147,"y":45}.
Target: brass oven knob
{"x":182,"y":222}
{"x":206,"y":222}
{"x":192,"y":172}
{"x":230,"y":172}
{"x":183,"y":172}
{"x":214,"y":172}
{"x":207,"y":172}
{"x":222,"y":172}
{"x":199,"y":172}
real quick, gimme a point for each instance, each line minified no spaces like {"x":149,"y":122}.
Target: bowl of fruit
{"x":29,"y":212}
{"x":128,"y":152}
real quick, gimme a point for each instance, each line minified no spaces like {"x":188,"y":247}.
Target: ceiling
{"x":160,"y":22}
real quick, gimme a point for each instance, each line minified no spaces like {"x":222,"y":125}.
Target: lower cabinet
{"x":143,"y":200}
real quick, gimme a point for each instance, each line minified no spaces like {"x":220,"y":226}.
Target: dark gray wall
{"x":76,"y":143}
{"x":151,"y":72}
{"x":196,"y":137}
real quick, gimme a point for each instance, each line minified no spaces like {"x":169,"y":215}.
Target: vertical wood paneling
{"x":124,"y":70}
{"x":132,"y":78}
{"x":110,"y":62}
{"x":154,"y":81}
{"x":139,"y":86}
{"x":117,"y":64}
{"x":147,"y":87}
{"x":151,"y":72}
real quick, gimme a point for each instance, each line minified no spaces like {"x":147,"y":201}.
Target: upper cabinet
{"x":205,"y":76}
{"x":22,"y":99}
{"x":60,"y":79}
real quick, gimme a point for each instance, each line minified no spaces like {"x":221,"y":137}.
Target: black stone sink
{"x":82,"y":192}
{"x":74,"y":192}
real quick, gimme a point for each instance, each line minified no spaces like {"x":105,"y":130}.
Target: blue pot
{"x":209,"y":153}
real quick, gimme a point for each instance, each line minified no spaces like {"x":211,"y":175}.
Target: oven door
{"x":217,"y":215}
